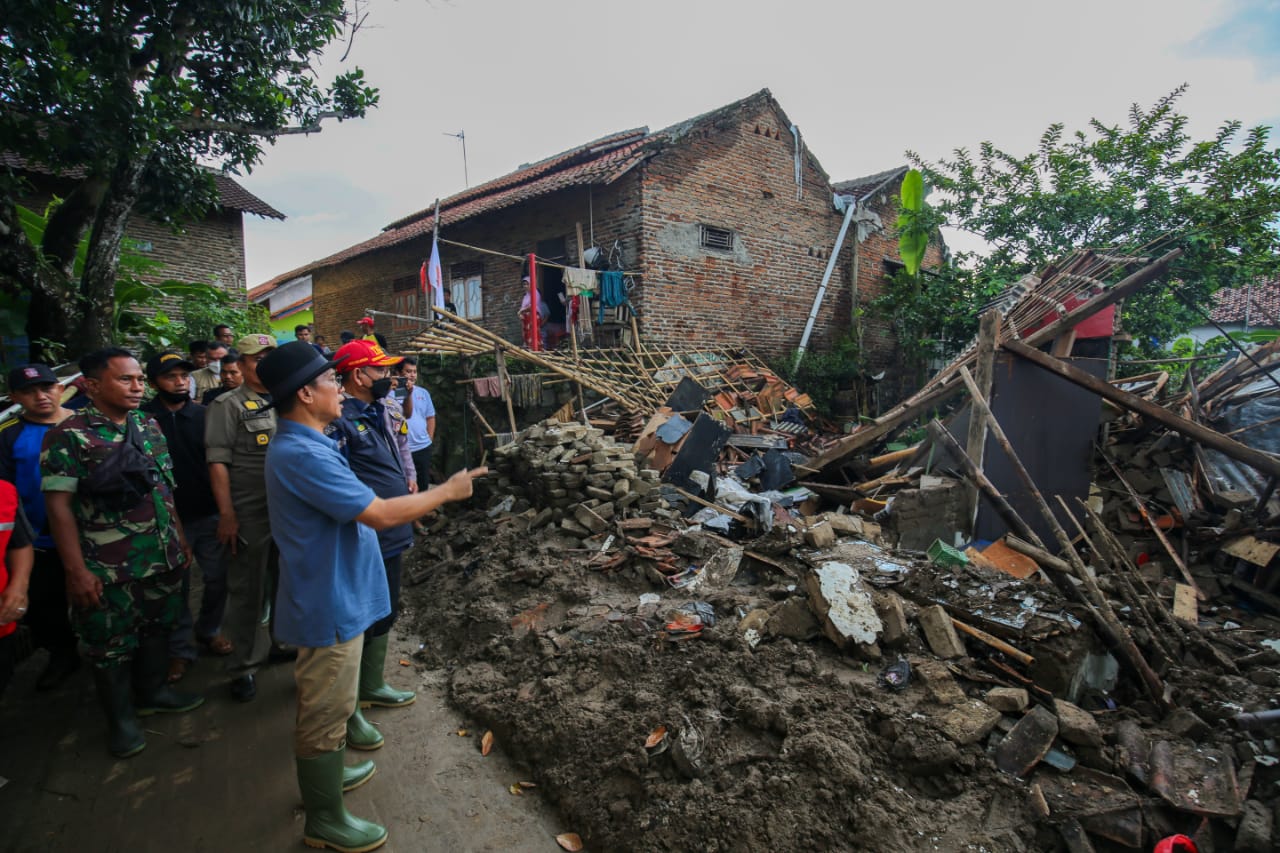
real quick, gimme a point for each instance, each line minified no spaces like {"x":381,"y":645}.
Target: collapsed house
{"x":1045,"y":620}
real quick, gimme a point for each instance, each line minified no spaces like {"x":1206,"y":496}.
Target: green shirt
{"x":118,"y":545}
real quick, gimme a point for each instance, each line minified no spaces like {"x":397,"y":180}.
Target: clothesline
{"x":520,"y":258}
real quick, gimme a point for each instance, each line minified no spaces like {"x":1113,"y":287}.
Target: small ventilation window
{"x":716,"y":238}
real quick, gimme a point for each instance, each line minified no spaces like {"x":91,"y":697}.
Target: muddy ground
{"x":790,"y":745}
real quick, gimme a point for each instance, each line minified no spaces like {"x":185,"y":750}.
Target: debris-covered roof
{"x":231,"y":195}
{"x":868,"y":185}
{"x":1259,"y":305}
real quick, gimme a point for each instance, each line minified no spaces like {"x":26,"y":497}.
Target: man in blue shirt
{"x":37,"y":390}
{"x":333,"y":585}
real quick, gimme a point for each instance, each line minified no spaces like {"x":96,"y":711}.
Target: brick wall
{"x":343,"y":292}
{"x":210,"y":251}
{"x":737,"y":173}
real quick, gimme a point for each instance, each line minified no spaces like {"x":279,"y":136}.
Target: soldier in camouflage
{"x":108,"y":483}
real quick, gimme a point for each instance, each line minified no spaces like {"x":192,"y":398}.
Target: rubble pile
{"x":576,"y":477}
{"x":736,"y":634}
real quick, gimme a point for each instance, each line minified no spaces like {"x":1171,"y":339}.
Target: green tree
{"x":129,"y":98}
{"x":1145,"y":186}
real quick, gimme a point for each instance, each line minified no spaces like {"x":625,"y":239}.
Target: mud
{"x":790,"y":745}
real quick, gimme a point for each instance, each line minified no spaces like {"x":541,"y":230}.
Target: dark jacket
{"x":184,"y":431}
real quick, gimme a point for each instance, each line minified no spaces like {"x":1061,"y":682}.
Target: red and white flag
{"x":432,"y":278}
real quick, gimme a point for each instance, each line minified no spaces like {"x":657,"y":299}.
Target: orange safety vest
{"x":8,"y":516}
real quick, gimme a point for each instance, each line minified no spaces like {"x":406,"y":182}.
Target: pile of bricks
{"x":576,"y":477}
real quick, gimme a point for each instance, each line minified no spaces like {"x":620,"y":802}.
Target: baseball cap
{"x":252,"y":344}
{"x":31,"y":374}
{"x":365,"y":321}
{"x":360,"y":353}
{"x":162,"y":363}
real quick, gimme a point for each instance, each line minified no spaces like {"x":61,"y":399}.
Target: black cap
{"x":162,"y":363}
{"x":31,"y":374}
{"x":290,"y":367}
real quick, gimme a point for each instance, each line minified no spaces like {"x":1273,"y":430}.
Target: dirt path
{"x":221,"y":778}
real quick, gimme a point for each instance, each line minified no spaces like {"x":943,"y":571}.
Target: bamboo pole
{"x":976,"y":440}
{"x":994,"y":642}
{"x":1100,"y":607}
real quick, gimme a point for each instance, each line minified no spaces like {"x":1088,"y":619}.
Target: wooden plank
{"x":1184,"y":604}
{"x":1252,"y":550}
{"x":994,"y":642}
{"x":976,"y":440}
{"x":703,"y":502}
{"x":1253,"y":458}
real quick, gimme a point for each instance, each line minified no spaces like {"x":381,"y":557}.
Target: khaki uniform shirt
{"x":204,"y":380}
{"x":238,"y":430}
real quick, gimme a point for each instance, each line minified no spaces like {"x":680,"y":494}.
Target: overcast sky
{"x":864,"y":82}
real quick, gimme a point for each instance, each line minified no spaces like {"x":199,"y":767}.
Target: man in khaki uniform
{"x":239,"y":428}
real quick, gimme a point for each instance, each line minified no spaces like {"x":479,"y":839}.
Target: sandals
{"x":216,"y":645}
{"x":177,"y":669}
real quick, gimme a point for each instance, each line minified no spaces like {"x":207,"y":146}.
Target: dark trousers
{"x":48,"y":617}
{"x":8,"y":658}
{"x":383,"y":626}
{"x":422,"y":465}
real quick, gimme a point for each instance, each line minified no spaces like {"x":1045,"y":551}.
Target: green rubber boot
{"x":355,"y":775}
{"x":373,"y":689}
{"x":329,"y":824}
{"x":361,"y":734}
{"x":155,"y":696}
{"x":115,"y":691}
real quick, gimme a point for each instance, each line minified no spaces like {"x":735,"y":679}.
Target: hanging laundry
{"x":488,"y":386}
{"x":578,"y":281}
{"x":613,"y":291}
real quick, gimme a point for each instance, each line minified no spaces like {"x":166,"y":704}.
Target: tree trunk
{"x":98,"y":282}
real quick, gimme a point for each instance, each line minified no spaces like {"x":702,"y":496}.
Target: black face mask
{"x":172,"y":396}
{"x":380,"y":387}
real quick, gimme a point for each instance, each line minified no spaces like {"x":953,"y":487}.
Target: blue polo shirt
{"x":332,"y":582}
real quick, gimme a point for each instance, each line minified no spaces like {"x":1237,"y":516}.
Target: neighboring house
{"x":288,"y":302}
{"x":209,"y":251}
{"x":1242,"y":309}
{"x":726,"y":220}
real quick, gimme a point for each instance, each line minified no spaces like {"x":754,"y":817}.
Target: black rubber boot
{"x":150,"y":668}
{"x":329,"y":824}
{"x":115,"y":692}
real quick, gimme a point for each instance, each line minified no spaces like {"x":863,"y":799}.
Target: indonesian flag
{"x":431,"y":276}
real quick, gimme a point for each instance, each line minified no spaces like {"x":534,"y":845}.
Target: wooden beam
{"x":976,"y":440}
{"x":1107,"y":298}
{"x":942,"y":437}
{"x":1253,"y":458}
{"x":882,"y":426}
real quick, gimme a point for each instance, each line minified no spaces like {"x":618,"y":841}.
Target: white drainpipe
{"x":826,"y":278}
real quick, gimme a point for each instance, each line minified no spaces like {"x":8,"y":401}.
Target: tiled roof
{"x":868,"y":185}
{"x":1260,"y":303}
{"x":231,"y":195}
{"x":599,"y":162}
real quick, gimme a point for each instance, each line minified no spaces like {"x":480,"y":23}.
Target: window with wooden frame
{"x":404,"y":298}
{"x":466,"y":289}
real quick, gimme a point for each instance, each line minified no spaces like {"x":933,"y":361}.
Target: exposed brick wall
{"x":343,"y":292}
{"x":739,"y":174}
{"x":209,"y":251}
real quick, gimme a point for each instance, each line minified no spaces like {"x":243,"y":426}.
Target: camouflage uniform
{"x":136,"y":553}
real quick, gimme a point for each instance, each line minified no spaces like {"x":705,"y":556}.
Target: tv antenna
{"x":462,"y":135}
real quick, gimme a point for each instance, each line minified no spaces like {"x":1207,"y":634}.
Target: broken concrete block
{"x":1077,"y":726}
{"x":568,"y":525}
{"x":543,"y":517}
{"x":820,"y":535}
{"x":1184,"y":723}
{"x":794,"y":619}
{"x":1008,"y":700}
{"x":969,"y":722}
{"x":940,"y":633}
{"x":599,"y":493}
{"x":1254,"y":832}
{"x":1027,"y":742}
{"x":938,"y":683}
{"x":588,"y":519}
{"x":843,"y":604}
{"x":893,"y":617}
{"x":844,"y":525}
{"x":621,"y":488}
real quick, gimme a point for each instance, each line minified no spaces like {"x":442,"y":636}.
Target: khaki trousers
{"x":328,"y":679}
